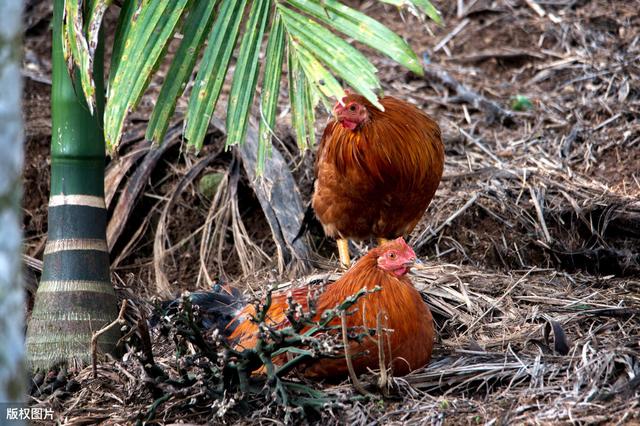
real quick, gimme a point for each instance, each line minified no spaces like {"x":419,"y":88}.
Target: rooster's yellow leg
{"x":382,"y":241}
{"x":343,"y":251}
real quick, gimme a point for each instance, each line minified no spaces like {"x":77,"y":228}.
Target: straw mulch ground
{"x":532,"y":241}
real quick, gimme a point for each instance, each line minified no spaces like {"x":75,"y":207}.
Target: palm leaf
{"x":310,"y":103}
{"x":316,"y":73}
{"x":341,"y":57}
{"x":321,"y":41}
{"x":213,"y":69}
{"x":296,"y":97}
{"x":415,"y":5}
{"x":362,"y":28}
{"x":147,"y":38}
{"x":429,"y":9}
{"x":197,"y":27}
{"x":245,"y":76}
{"x":270,"y":90}
{"x":77,"y":50}
{"x":305,"y":31}
{"x":98,"y":9}
{"x":123,"y":29}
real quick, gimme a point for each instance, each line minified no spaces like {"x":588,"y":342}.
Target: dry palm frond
{"x":224,"y":216}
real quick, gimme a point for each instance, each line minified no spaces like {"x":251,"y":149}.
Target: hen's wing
{"x":245,"y":332}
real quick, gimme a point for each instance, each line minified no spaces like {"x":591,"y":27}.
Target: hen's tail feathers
{"x":217,"y":308}
{"x":308,"y":219}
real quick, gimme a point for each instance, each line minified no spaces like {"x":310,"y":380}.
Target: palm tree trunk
{"x":11,"y":142}
{"x":75,"y":297}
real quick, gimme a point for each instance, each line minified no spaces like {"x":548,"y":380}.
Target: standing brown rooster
{"x":408,"y":324}
{"x":376,"y":171}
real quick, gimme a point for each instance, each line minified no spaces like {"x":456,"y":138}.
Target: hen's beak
{"x":416,"y":264}
{"x":337,"y":109}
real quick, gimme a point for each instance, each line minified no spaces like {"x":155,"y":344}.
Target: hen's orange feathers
{"x":377,"y":180}
{"x":407,"y":321}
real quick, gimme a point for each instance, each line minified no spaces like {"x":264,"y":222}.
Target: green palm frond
{"x":151,"y":29}
{"x":270,"y":89}
{"x":245,"y":76}
{"x":76,"y":49}
{"x":304,"y":34}
{"x":213,"y":70}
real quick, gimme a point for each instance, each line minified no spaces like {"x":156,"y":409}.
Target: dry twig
{"x":352,"y":374}
{"x":94,"y":337}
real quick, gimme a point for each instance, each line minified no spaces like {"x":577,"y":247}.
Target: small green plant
{"x":521,"y":103}
{"x":208,"y":184}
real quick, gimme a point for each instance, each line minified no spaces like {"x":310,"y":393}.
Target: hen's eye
{"x":352,"y":108}
{"x":391,"y":255}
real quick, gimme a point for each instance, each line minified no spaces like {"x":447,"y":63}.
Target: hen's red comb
{"x":401,"y":242}
{"x":343,"y":101}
